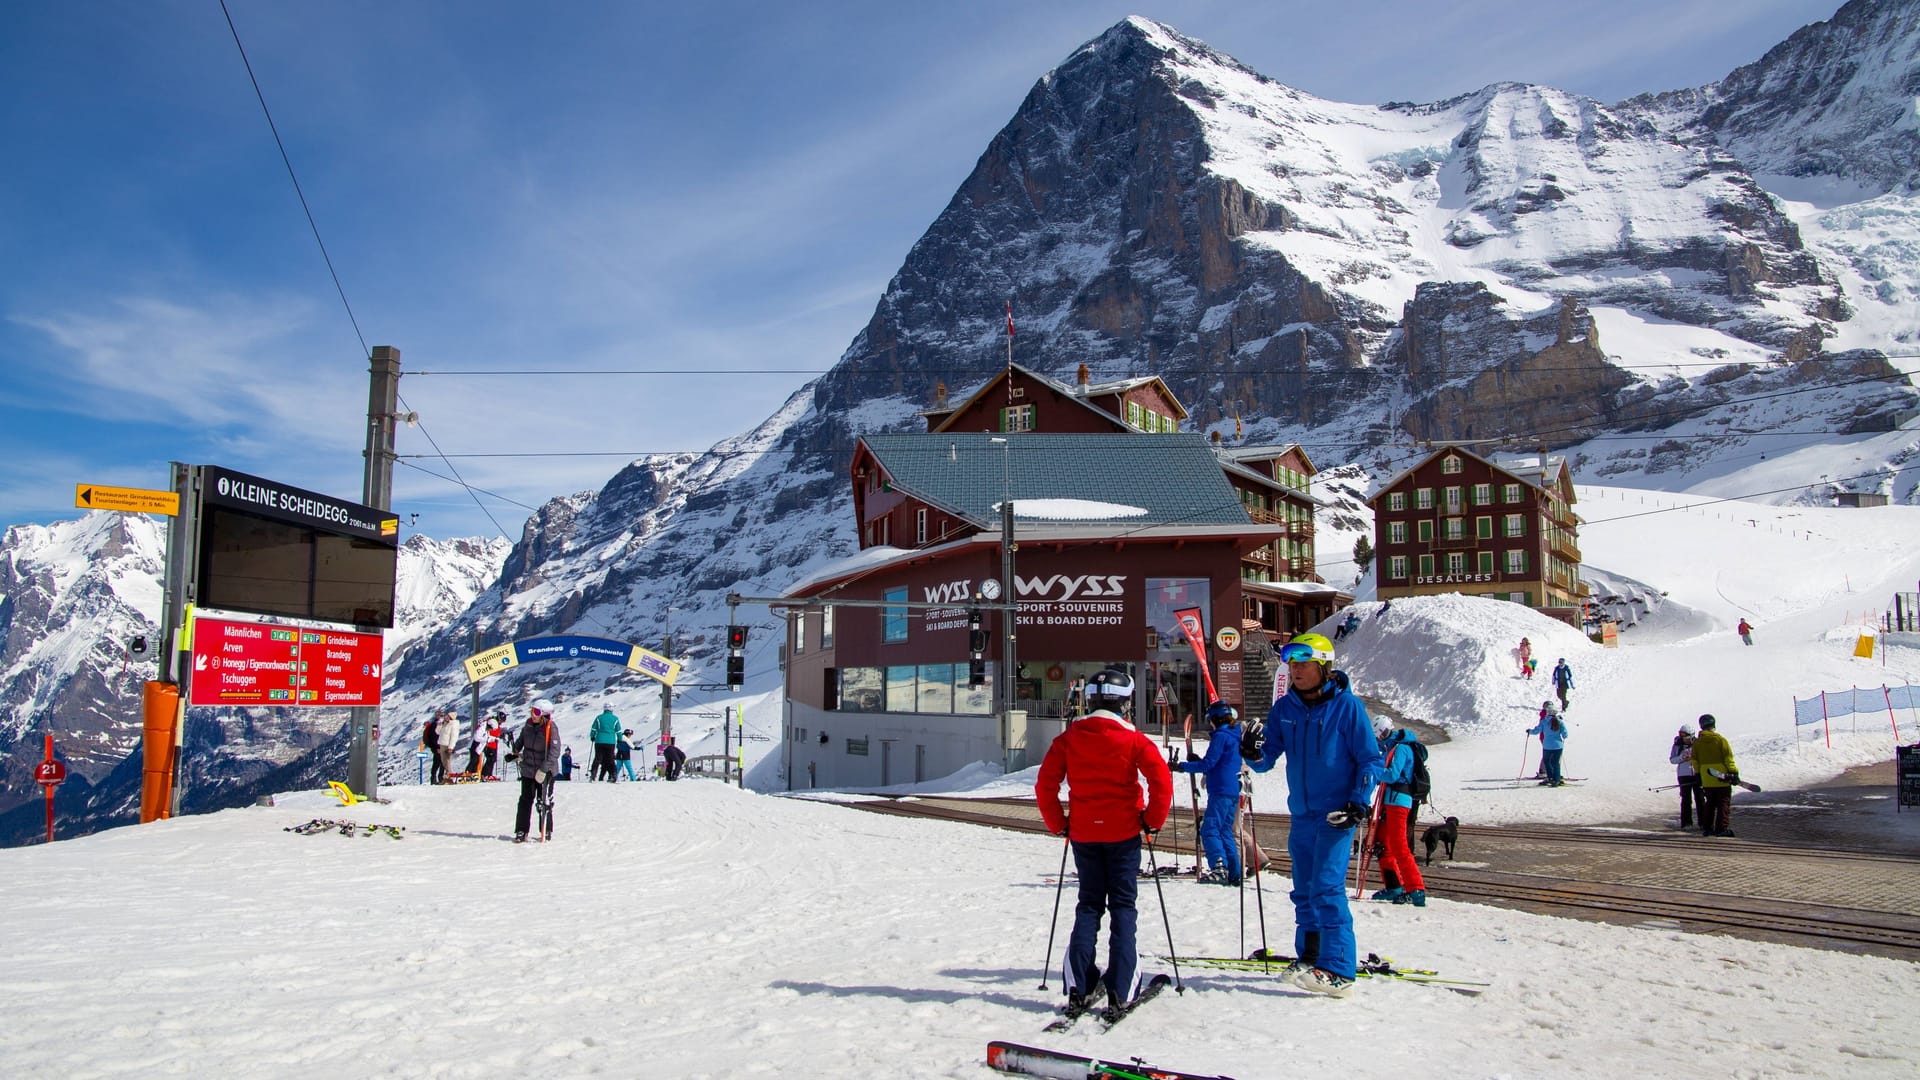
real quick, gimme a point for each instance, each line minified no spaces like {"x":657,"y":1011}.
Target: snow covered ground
{"x":694,"y":930}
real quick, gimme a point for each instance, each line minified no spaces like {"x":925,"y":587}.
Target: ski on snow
{"x":1033,"y":1061}
{"x":1373,"y":967}
{"x":1108,"y":1016}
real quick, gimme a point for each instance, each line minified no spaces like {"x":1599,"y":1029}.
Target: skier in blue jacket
{"x":1222,"y":769}
{"x":1553,"y":739}
{"x":1322,"y":728}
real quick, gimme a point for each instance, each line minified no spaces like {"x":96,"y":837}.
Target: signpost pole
{"x":49,"y":786}
{"x":383,"y":398}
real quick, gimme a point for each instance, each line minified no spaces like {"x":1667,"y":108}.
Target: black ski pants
{"x":530,"y":790}
{"x":1693,"y":802}
{"x":603,"y":762}
{"x":1109,"y":884}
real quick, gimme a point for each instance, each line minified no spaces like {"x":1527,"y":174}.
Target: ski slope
{"x":694,"y":930}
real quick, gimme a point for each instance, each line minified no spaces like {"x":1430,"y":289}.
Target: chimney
{"x":1085,"y":375}
{"x":1215,"y":436}
{"x":940,"y":394}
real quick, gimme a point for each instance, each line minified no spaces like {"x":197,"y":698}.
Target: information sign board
{"x":247,"y":663}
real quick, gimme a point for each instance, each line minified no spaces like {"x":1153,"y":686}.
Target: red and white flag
{"x":1009,"y":318}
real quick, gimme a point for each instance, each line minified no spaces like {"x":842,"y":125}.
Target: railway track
{"x":1597,"y":896}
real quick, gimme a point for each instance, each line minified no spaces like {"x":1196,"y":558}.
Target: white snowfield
{"x":694,"y":930}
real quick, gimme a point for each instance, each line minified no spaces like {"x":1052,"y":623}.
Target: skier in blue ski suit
{"x":1222,"y":769}
{"x":1323,"y":730}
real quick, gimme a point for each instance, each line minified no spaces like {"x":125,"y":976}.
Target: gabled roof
{"x":1526,"y":470}
{"x":1267,"y":453}
{"x":1170,"y":479}
{"x":1072,"y":393}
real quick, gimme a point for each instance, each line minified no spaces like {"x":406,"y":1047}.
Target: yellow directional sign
{"x":137,"y":500}
{"x":491,"y":662}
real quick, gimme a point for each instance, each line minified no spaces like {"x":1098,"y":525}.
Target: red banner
{"x":1196,"y":632}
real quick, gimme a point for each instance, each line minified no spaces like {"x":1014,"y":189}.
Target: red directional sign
{"x":50,"y":773}
{"x":248,"y":663}
{"x":341,"y":667}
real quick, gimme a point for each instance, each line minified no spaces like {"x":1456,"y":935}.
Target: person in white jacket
{"x":446,"y":736}
{"x":1692,"y":799}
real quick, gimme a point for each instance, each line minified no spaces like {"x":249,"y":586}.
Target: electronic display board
{"x":271,"y":549}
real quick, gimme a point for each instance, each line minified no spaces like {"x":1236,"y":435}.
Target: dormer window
{"x":1450,"y":463}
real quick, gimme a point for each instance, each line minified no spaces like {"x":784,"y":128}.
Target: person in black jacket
{"x":538,"y":749}
{"x":675,"y":758}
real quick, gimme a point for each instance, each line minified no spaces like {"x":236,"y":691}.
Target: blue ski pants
{"x":1109,"y":883}
{"x":1216,"y":834}
{"x":1322,"y":922}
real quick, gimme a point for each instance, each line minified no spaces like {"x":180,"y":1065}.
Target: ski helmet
{"x":543,"y":706}
{"x":1220,"y":714}
{"x":1305,"y":647}
{"x":1111,"y":683}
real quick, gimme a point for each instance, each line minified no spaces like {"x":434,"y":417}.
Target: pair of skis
{"x":345,"y":828}
{"x":1109,"y":1016}
{"x":1033,"y":1061}
{"x":1725,"y":779}
{"x":1373,"y":967}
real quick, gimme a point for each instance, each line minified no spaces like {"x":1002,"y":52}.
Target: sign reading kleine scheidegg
{"x":270,"y":498}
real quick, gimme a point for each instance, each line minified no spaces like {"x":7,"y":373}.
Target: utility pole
{"x":666,"y":690}
{"x":383,"y":398}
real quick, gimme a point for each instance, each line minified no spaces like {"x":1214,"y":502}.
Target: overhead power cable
{"x":326,"y":257}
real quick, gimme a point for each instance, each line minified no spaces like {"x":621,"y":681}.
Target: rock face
{"x":1350,"y":277}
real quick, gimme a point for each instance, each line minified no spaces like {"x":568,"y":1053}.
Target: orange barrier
{"x":160,"y":708}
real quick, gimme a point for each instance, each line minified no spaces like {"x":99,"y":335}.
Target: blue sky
{"x":712,"y":187}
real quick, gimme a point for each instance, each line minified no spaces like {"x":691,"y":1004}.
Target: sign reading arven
{"x":244,"y":663}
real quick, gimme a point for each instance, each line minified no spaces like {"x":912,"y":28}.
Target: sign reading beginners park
{"x":246,"y":663}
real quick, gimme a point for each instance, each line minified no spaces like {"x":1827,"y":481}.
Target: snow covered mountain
{"x":72,"y":597}
{"x":1693,"y":290}
{"x":1516,"y":262}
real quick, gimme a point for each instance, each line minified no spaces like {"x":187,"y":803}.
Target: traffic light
{"x":976,"y":648}
{"x":736,"y":660}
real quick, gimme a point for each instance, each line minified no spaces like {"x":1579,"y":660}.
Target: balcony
{"x":1563,"y":544}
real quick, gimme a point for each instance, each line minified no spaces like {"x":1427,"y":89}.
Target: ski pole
{"x":1178,"y":986}
{"x":1060,"y":884}
{"x":1259,"y":857}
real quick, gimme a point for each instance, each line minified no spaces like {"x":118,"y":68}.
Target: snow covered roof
{"x":1169,"y":479}
{"x":1524,"y":469}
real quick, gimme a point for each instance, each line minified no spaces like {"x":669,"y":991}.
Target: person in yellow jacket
{"x":1713,"y":760}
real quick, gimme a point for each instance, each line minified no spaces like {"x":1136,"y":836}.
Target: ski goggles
{"x":1299,"y":653}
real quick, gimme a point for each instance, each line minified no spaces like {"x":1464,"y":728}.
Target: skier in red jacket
{"x":1102,"y":757}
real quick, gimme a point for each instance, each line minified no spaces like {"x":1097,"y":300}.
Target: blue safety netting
{"x":1834,"y":704}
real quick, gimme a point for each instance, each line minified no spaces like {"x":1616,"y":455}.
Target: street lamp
{"x":1009,"y":634}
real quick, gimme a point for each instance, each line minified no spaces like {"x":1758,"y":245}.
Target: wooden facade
{"x":1460,"y":523}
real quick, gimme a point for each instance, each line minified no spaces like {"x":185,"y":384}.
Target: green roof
{"x":1174,"y":478}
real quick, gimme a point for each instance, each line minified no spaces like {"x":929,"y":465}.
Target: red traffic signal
{"x":736,"y":637}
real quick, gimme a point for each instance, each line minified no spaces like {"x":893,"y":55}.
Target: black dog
{"x":1445,"y":833}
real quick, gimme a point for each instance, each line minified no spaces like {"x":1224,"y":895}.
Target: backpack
{"x":429,"y":736}
{"x":1418,"y":783}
